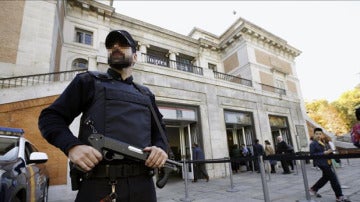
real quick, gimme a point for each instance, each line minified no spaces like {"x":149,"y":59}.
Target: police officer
{"x":111,"y":104}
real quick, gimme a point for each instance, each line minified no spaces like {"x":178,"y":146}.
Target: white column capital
{"x":143,"y":44}
{"x":143,"y":47}
{"x":172,"y":53}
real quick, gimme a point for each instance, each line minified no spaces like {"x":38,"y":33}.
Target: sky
{"x":326,"y":32}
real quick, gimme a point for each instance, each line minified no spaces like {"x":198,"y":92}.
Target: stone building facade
{"x":217,"y":91}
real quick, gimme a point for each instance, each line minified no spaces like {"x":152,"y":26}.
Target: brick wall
{"x":24,"y":114}
{"x":10,"y":23}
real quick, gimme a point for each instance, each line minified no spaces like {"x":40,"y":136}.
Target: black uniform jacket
{"x":121,"y":120}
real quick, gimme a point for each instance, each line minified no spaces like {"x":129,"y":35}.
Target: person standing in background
{"x":258,"y":151}
{"x":246,"y":153}
{"x":283,"y":148}
{"x":199,"y":168}
{"x":235,"y":155}
{"x":269,"y":150}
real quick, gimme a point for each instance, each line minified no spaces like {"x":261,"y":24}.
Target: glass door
{"x":186,"y":148}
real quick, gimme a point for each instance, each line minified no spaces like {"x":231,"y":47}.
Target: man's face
{"x":317,"y":135}
{"x":120,"y":56}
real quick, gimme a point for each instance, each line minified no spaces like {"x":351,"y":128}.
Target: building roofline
{"x":153,"y":27}
{"x":244,"y":27}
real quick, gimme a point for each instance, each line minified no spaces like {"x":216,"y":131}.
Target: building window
{"x":212,"y":67}
{"x":279,"y":84}
{"x":83,"y":36}
{"x":79,"y":64}
{"x":184,"y":64}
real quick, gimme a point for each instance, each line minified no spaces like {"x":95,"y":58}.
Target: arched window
{"x":79,"y":63}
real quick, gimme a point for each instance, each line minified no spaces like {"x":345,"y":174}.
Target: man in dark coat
{"x":235,"y":155}
{"x":113,"y":105}
{"x":283,"y":148}
{"x":258,"y":151}
{"x":199,"y":168}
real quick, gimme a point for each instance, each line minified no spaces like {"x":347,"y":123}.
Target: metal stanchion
{"x":186,"y":199}
{"x":306,"y":183}
{"x":226,"y":169}
{"x":296,"y":168}
{"x":267,"y":167}
{"x":263,"y":180}
{"x":231,"y":189}
{"x":252,"y":166}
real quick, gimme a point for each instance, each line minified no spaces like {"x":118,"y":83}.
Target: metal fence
{"x":232,"y":78}
{"x":273,"y":89}
{"x":165,"y":62}
{"x":35,"y":79}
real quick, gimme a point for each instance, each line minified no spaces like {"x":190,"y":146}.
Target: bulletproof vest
{"x":119,"y":110}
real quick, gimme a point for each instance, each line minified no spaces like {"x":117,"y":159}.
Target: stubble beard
{"x":120,"y":61}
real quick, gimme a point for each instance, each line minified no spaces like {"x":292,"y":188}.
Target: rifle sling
{"x":162,"y":132}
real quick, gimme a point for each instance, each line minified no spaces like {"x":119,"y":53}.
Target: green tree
{"x":346,"y":105}
{"x":337,"y":117}
{"x":326,"y":115}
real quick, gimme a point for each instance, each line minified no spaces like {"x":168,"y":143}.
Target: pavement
{"x":248,"y":187}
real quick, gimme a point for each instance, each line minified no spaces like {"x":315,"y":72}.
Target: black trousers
{"x":328,"y":175}
{"x":285,"y":166}
{"x":130,"y":189}
{"x":200,"y":170}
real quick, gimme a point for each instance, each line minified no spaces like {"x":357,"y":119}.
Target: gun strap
{"x":161,"y":130}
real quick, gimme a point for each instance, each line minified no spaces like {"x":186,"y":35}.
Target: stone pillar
{"x":172,"y":58}
{"x":92,"y":64}
{"x":142,"y":52}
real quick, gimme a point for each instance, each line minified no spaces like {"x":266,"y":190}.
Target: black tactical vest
{"x":119,"y":111}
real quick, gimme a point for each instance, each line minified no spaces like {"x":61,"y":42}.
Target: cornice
{"x":270,"y":41}
{"x":147,"y":27}
{"x":249,"y":31}
{"x":91,"y":5}
{"x":204,"y":43}
{"x":196,"y":29}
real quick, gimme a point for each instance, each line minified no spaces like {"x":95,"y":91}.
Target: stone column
{"x":142,"y":51}
{"x":172,"y":58}
{"x":92,"y":64}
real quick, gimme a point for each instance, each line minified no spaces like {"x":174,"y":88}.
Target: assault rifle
{"x":115,"y":149}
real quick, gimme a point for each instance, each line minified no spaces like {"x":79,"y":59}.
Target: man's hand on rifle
{"x":84,"y":156}
{"x":157,"y":157}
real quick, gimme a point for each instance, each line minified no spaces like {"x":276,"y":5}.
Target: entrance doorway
{"x":182,"y":130}
{"x":279,"y":127}
{"x":238,"y":135}
{"x":239,"y":129}
{"x":181,"y":139}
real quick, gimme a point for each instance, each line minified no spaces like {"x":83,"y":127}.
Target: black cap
{"x":122,"y":36}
